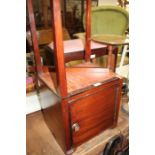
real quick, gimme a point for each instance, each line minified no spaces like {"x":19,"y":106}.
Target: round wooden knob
{"x":75,"y":127}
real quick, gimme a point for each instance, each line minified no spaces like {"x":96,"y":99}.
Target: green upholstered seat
{"x":107,"y":20}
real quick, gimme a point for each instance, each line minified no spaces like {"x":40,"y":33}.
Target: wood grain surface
{"x":94,"y":114}
{"x":78,"y":78}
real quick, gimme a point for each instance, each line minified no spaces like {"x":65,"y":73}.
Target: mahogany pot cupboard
{"x":78,"y":102}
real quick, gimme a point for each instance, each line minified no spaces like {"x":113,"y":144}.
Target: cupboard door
{"x":93,"y":113}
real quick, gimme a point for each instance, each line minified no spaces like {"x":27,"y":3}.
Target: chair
{"x":107,"y":20}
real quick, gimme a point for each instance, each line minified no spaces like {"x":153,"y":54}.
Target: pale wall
{"x":107,"y":2}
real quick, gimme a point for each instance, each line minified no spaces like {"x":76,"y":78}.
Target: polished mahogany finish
{"x":79,"y":78}
{"x":92,"y":102}
{"x":88,"y":30}
{"x":58,"y":47}
{"x":61,"y":84}
{"x":78,"y":102}
{"x":95,"y":110}
{"x":34,"y":36}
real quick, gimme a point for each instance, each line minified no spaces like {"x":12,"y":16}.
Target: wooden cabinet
{"x":92,"y":104}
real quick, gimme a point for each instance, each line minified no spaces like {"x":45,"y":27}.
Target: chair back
{"x":108,"y":20}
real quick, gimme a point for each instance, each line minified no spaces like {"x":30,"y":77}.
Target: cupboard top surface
{"x":79,"y":79}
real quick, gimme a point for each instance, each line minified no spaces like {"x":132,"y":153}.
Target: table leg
{"x":110,"y":58}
